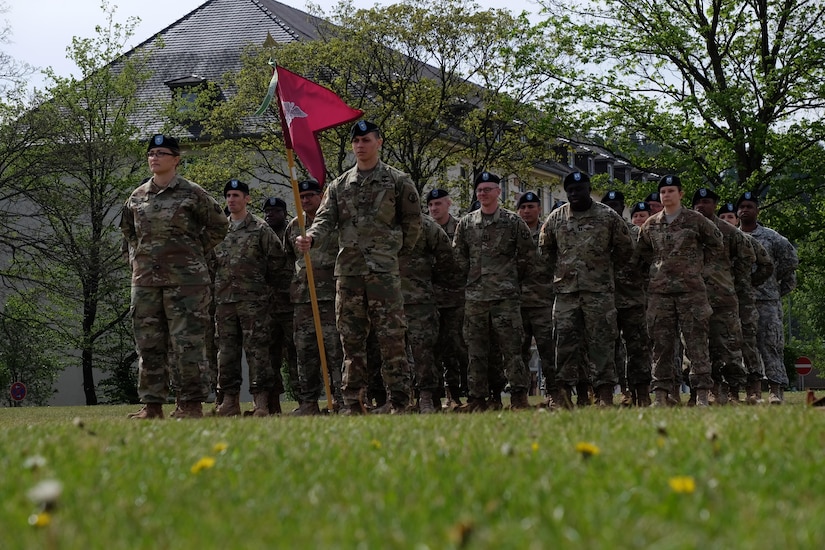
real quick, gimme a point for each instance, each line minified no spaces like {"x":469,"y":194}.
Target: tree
{"x":445,"y":81}
{"x":68,"y":244}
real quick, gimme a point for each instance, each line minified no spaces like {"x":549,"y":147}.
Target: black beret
{"x":159,"y":140}
{"x":727,"y":208}
{"x":308,"y":185}
{"x":486,"y":177}
{"x":436,"y":194}
{"x":235,"y":185}
{"x":558,"y":204}
{"x":653,"y":197}
{"x":475,"y":206}
{"x":748,"y":196}
{"x":613,"y":196}
{"x":274,"y":202}
{"x":529,"y":196}
{"x":575,"y":177}
{"x":640,"y":207}
{"x":670,"y":179}
{"x":362,"y":128}
{"x":704,"y":193}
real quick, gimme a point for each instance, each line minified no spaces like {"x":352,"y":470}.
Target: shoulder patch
{"x":412,"y":198}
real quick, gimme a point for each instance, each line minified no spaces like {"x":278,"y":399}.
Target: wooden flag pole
{"x":316,"y":313}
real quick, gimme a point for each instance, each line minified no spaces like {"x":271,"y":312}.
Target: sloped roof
{"x":208,"y":42}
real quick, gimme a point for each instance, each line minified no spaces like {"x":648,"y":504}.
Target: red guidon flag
{"x":306,"y":109}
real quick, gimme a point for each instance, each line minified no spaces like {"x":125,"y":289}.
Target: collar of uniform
{"x":171,"y":185}
{"x":244,"y":222}
{"x":352,"y":174}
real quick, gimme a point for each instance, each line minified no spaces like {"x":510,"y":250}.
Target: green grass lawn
{"x":724,"y":477}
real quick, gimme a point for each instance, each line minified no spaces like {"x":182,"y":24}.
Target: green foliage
{"x":509,"y":480}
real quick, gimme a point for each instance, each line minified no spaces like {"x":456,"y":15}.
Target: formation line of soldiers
{"x":416,"y":308}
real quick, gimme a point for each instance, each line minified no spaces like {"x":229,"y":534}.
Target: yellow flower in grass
{"x":203,"y":464}
{"x":220,"y":447}
{"x":682,"y":484}
{"x":587,"y":449}
{"x":40,"y":520}
{"x":375,"y":444}
{"x":535,"y":446}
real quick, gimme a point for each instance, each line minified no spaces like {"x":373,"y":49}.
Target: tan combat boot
{"x":604,"y":396}
{"x":660,"y":399}
{"x":306,"y":408}
{"x":754,"y":392}
{"x":518,"y":401}
{"x":775,"y":395}
{"x":473,"y":405}
{"x":274,"y":401}
{"x":176,"y":411}
{"x":642,"y":395}
{"x":702,"y":398}
{"x":230,"y":405}
{"x":149,"y":411}
{"x":733,"y":396}
{"x":260,"y":404}
{"x":425,"y":402}
{"x":190,"y":409}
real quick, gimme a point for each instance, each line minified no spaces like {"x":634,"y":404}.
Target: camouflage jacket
{"x":537,"y":290}
{"x":430,"y":259}
{"x":170,"y":232}
{"x":322,"y":255}
{"x":376,"y":219}
{"x":676,"y":252}
{"x":248,"y":262}
{"x":630,"y":278}
{"x":281,"y":298}
{"x":584,"y":248}
{"x":726,"y":271}
{"x":445,"y":296}
{"x":785,"y":261}
{"x":494,"y":255}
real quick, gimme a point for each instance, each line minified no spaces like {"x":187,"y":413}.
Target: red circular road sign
{"x":803,"y":366}
{"x":18,"y":391}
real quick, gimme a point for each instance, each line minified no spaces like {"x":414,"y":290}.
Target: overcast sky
{"x":42,"y":29}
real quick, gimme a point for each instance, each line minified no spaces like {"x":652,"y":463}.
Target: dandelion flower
{"x":535,"y":446}
{"x":587,"y":449}
{"x":203,"y":464}
{"x":34,"y":462}
{"x":682,"y":484}
{"x":46,"y":492}
{"x":220,"y":447}
{"x":375,"y":444}
{"x":40,"y":520}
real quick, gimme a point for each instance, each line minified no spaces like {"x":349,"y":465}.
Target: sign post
{"x":803,"y":367}
{"x":18,"y":391}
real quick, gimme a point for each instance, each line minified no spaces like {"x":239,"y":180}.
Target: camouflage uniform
{"x":582,"y":249}
{"x":322,"y":256}
{"x":769,"y":301}
{"x":537,"y":317}
{"x":677,"y":297}
{"x":377,"y":216}
{"x":725,"y":330}
{"x":748,"y":312}
{"x":248,"y":261}
{"x":430,"y":259}
{"x":281,"y":343}
{"x":495,"y":254}
{"x":169,"y":232}
{"x":451,"y":350}
{"x":634,"y":366}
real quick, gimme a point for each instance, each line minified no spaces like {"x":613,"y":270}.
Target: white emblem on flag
{"x":292,"y":111}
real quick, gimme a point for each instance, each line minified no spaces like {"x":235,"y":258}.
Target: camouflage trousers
{"x":282,"y":346}
{"x":749,"y":318}
{"x":538,"y":324}
{"x":771,"y":340}
{"x":244,"y":327}
{"x":585,"y":330}
{"x":725,"y":346}
{"x":310,"y":376}
{"x":211,"y":345}
{"x":633,"y":355}
{"x":372,"y":301}
{"x":422,"y":336}
{"x":170,"y":324}
{"x":667,"y":315}
{"x":500,"y":319}
{"x":450,"y":353}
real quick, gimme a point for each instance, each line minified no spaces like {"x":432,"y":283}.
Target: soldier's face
{"x":439,"y":209}
{"x":617,"y":206}
{"x":366,"y":147}
{"x":671,"y":196}
{"x":236,"y":201}
{"x":729,"y":217}
{"x":487,"y":194}
{"x":705,"y":206}
{"x":655,"y":207}
{"x":529,"y":212}
{"x":310,"y":201}
{"x":578,"y":195}
{"x":748,"y":212}
{"x":275,"y":217}
{"x":639,"y":218}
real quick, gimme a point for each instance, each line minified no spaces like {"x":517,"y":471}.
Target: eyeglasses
{"x":159,"y":154}
{"x":481,"y":190}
